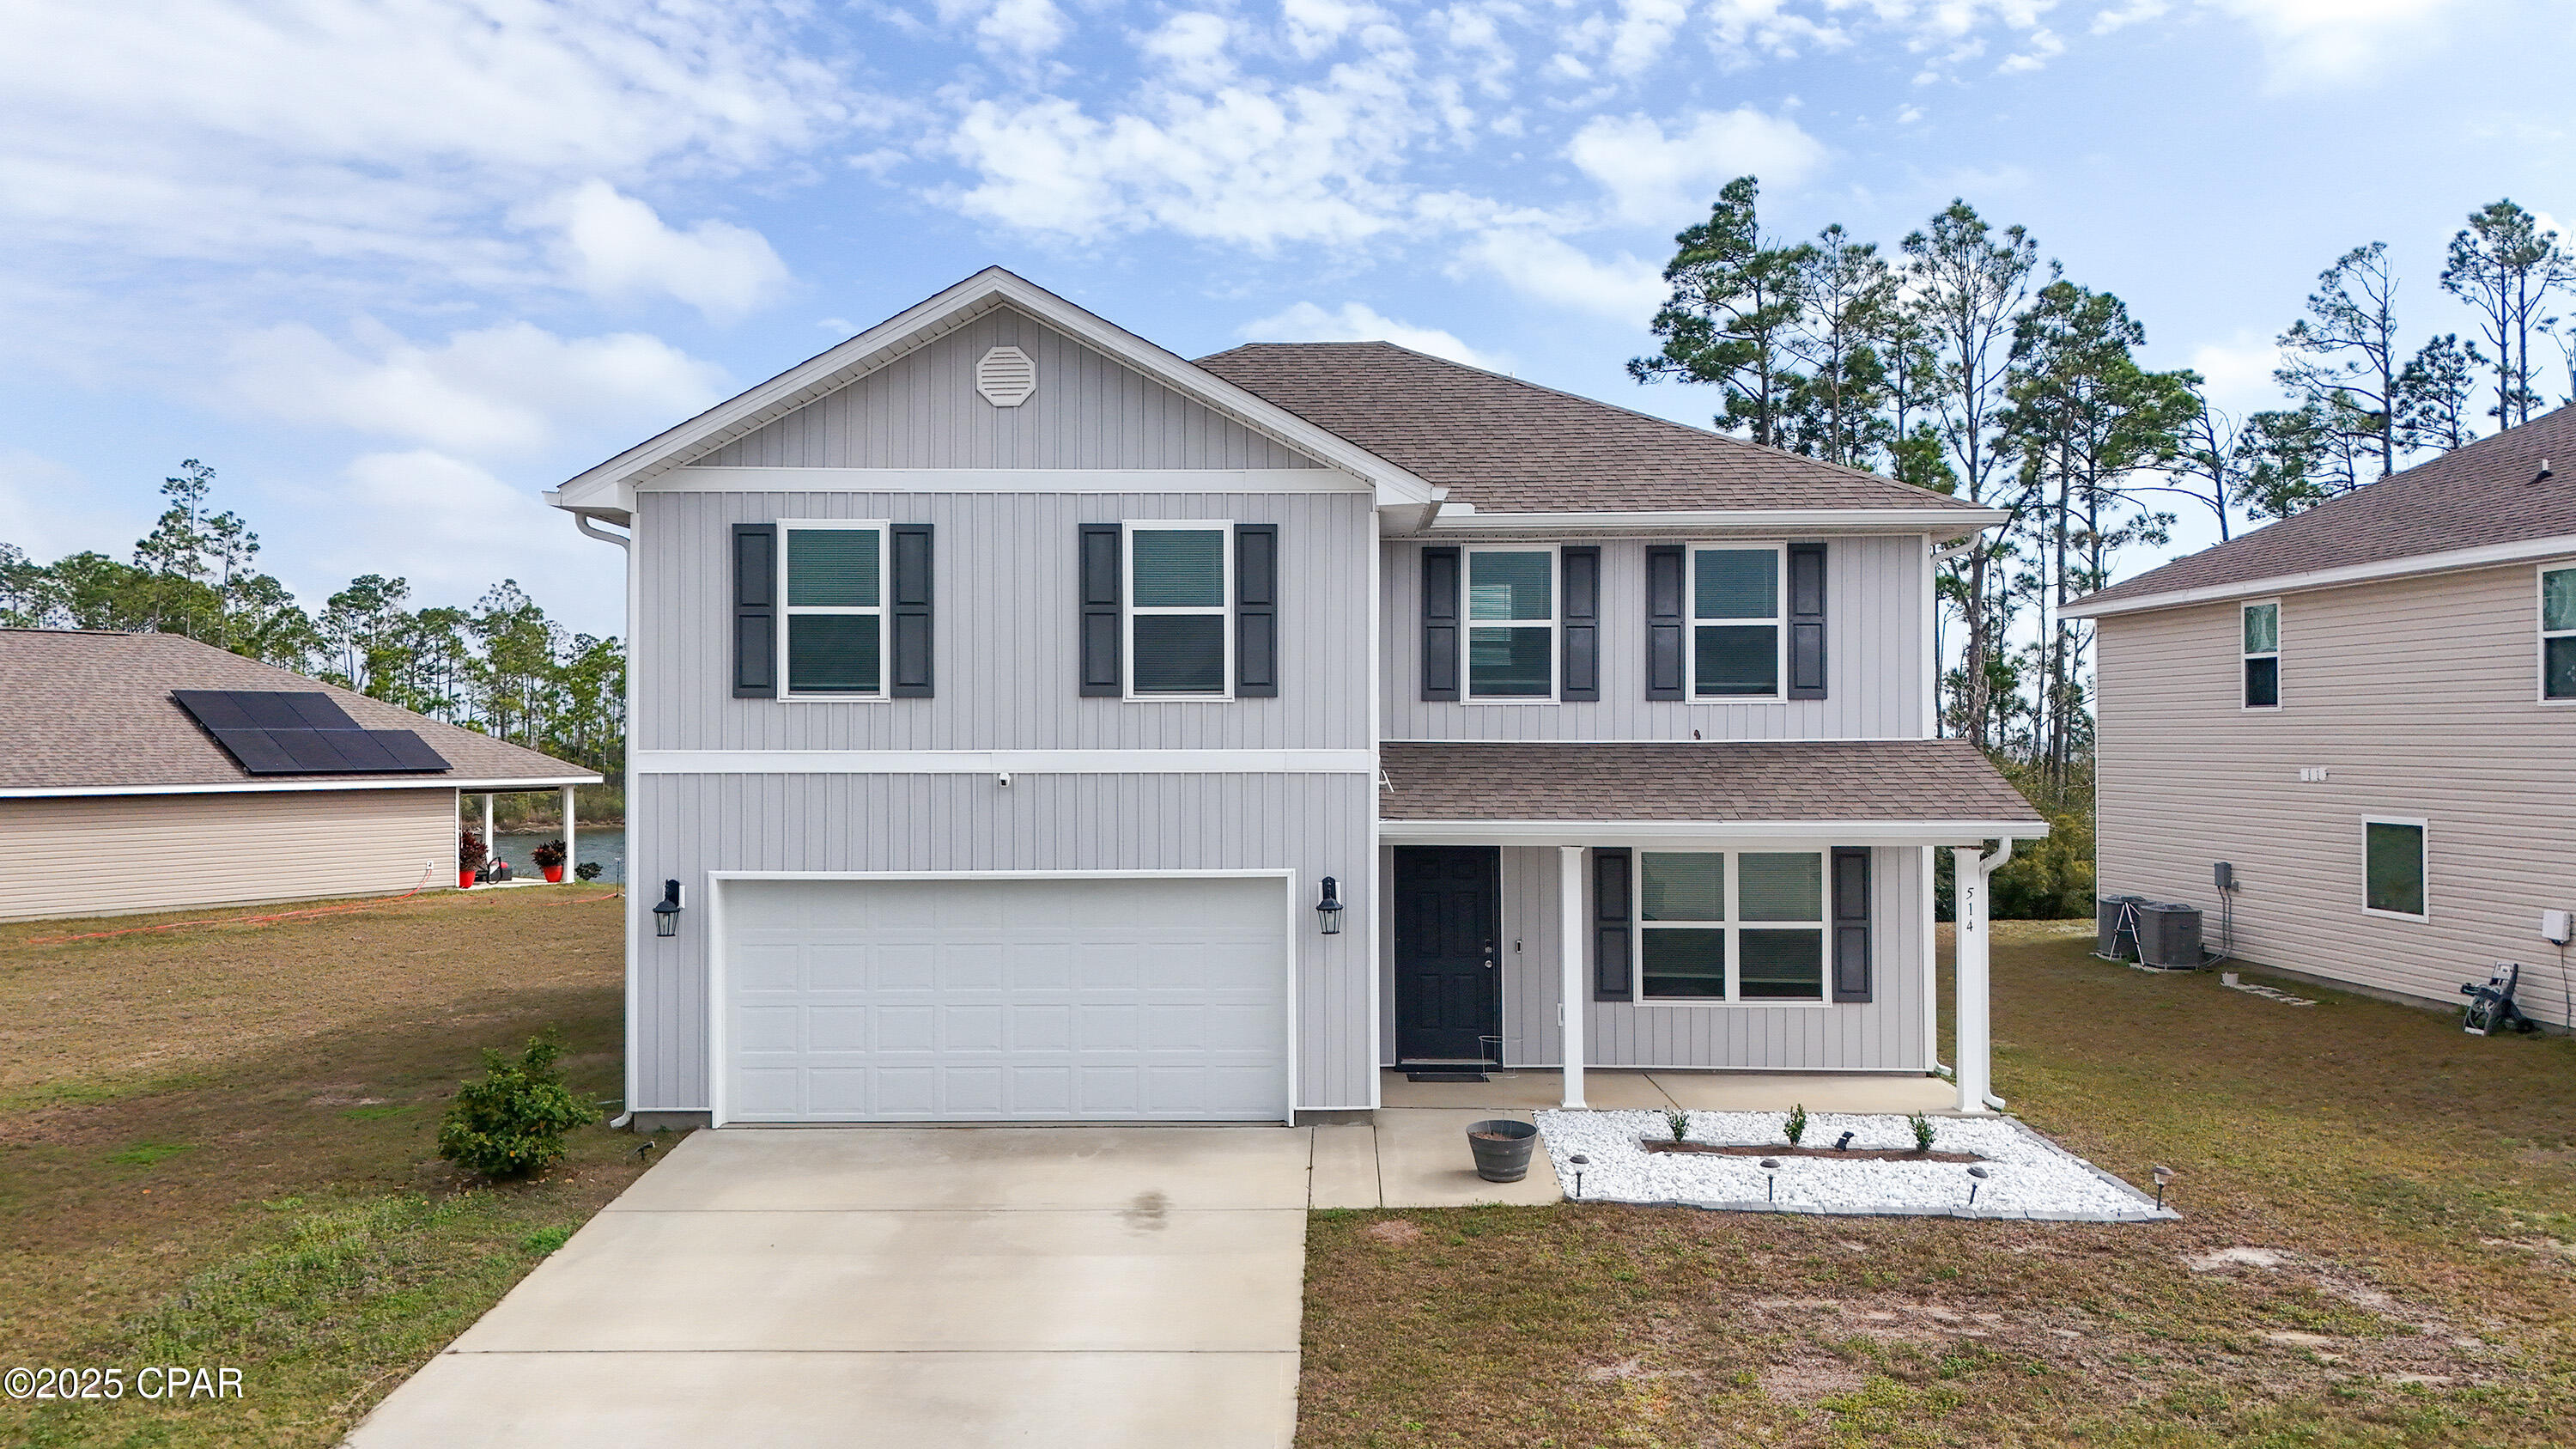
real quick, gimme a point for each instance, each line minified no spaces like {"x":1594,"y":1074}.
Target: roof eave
{"x":1807,"y":832}
{"x":1945,"y":522}
{"x":472,"y":786}
{"x":2452,"y":561}
{"x":610,"y":485}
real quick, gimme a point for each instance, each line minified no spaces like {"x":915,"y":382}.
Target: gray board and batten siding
{"x":1885,"y":1033}
{"x":2419,"y":698}
{"x":922,"y":411}
{"x":1874,"y":641}
{"x":1005,"y":614}
{"x":1316,"y":825}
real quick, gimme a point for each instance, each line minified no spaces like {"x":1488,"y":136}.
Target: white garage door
{"x":1045,"y":999}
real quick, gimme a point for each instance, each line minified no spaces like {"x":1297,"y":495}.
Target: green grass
{"x":144,"y":1154}
{"x":2416,"y":1183}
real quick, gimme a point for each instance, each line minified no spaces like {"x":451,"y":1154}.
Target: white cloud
{"x":1192,"y":45}
{"x":614,"y":246}
{"x":504,"y":390}
{"x":1662,"y":178}
{"x":2043,"y":48}
{"x":2134,"y":13}
{"x":1016,"y":27}
{"x":2325,"y":42}
{"x":1359,"y":322}
{"x":455,"y":530}
{"x":2238,"y":373}
{"x":1552,"y":270}
{"x":1642,"y":33}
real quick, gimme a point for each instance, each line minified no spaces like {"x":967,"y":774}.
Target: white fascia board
{"x":704,"y":478}
{"x":1652,"y":832}
{"x":924,"y":321}
{"x":998,"y":762}
{"x":270,"y":787}
{"x":619,"y":508}
{"x":2487,"y":556}
{"x":1765,"y":520}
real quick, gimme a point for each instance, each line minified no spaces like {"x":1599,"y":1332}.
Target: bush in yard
{"x":512,"y":1122}
{"x":1922,"y":1126}
{"x":587,"y":870}
{"x":1796,"y":1126}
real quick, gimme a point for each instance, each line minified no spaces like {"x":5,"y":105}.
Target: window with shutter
{"x":1579,"y":674}
{"x":1511,"y":624}
{"x":1851,"y":924}
{"x":910,"y":589}
{"x":755,"y":611}
{"x":1613,"y":922}
{"x":1806,"y":620}
{"x":832,"y":615}
{"x":1736,"y":645}
{"x":1180,"y":587}
{"x":1256,"y":611}
{"x":1739,"y":927}
{"x":1100,"y":569}
{"x":1440,"y":623}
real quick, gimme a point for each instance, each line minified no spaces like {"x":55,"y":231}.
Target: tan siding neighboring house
{"x":113,"y":854}
{"x":2418,"y":698}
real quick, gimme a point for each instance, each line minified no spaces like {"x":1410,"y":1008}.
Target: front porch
{"x":1512,"y":1089}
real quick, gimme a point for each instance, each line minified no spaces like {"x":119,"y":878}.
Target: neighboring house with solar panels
{"x":149,"y":772}
{"x":1031,"y":724}
{"x":2368,"y":711}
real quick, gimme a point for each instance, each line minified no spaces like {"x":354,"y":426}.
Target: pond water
{"x":603,"y":843}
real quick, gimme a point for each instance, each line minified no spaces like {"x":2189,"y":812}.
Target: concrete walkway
{"x":885,"y":1287}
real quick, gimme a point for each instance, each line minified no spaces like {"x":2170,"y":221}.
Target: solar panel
{"x":302,"y":732}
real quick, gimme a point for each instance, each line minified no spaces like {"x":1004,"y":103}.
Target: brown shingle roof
{"x":2470,"y":497}
{"x":82,"y":710}
{"x":1509,"y":446}
{"x":1869,"y":780}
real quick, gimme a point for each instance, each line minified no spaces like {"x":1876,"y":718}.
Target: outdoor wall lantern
{"x":1329,"y":909}
{"x":666,"y":911}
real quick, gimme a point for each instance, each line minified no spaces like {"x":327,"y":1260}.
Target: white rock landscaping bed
{"x":2028,"y":1176}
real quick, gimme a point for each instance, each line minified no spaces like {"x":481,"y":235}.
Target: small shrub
{"x":587,"y":870}
{"x":470,"y":850}
{"x":1679,"y":1121}
{"x":548,"y":855}
{"x":512,"y":1122}
{"x":1796,"y":1126}
{"x":1922,"y":1126}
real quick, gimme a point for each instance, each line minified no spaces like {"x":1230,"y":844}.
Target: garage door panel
{"x":1006,"y":999}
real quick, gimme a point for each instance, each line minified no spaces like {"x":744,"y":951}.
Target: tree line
{"x":1964,"y":362}
{"x":501,"y":667}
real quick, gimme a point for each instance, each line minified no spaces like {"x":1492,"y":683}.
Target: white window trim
{"x":2423,"y":865}
{"x":2274,"y":654}
{"x":1468,"y":624}
{"x":1129,"y":611}
{"x":1733,"y":927}
{"x":885,"y":584}
{"x":1691,"y":621}
{"x":2540,"y":618}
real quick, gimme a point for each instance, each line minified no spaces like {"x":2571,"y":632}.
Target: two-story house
{"x":2362,"y":710}
{"x":1031,"y":724}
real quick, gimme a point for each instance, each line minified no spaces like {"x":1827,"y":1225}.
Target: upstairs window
{"x":1180,"y":639}
{"x":1511,"y":623}
{"x":2558,"y":633}
{"x":832,"y":630}
{"x":1742,"y":927}
{"x":1735,"y":623}
{"x":2262,"y":635}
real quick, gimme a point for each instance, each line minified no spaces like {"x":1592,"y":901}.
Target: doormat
{"x":1446,"y":1077}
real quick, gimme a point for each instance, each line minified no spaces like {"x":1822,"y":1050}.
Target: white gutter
{"x":2453,"y":561}
{"x":262,"y":787}
{"x":1781,"y":520}
{"x":1612,"y":832}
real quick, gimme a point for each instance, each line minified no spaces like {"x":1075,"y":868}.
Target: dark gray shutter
{"x":1100,"y":597}
{"x":1612,"y":976}
{"x":1806,"y":621}
{"x":1581,"y":567}
{"x":755,"y":611}
{"x":1667,"y":619}
{"x":1440,"y":623}
{"x":1851,"y":923}
{"x":908,"y":595}
{"x":1256,"y":611}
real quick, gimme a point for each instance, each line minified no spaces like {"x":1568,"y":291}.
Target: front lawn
{"x":2378,"y":1248}
{"x":217,"y":1149}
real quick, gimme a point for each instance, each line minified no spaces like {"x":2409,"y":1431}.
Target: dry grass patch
{"x":2367,"y":1259}
{"x":218,"y":1148}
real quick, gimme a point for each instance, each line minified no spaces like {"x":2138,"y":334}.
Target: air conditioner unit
{"x":2115,"y":927}
{"x":2169,"y":937}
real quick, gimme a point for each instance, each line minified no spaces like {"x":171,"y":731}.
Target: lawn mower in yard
{"x":2491,"y":1007}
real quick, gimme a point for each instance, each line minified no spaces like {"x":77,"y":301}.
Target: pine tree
{"x":2342,"y":356}
{"x":2505,"y":265}
{"x":1727,"y":323}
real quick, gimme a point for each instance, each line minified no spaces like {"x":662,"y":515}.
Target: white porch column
{"x":1570,"y":935}
{"x":569,"y":857}
{"x":1975,"y":1064}
{"x":491,"y":842}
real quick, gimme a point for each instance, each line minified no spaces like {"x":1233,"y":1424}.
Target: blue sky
{"x":393,"y":268}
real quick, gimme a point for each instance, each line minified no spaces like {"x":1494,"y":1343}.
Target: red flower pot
{"x":465,"y":877}
{"x":554,"y":875}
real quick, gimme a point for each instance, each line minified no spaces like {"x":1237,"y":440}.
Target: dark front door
{"x":1448,"y":983}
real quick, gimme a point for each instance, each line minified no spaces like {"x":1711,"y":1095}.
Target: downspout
{"x":624,"y":542}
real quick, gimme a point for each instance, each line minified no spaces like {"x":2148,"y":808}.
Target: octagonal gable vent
{"x":1006,"y":377}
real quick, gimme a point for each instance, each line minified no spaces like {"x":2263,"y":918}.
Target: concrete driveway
{"x":868,"y":1287}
